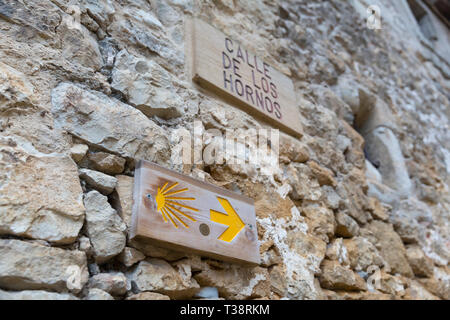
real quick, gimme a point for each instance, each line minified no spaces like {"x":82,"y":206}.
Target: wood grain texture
{"x":221,"y":65}
{"x":149,"y":224}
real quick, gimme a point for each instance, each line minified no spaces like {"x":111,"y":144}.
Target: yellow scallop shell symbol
{"x":169,"y":205}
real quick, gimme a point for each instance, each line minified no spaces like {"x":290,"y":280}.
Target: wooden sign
{"x":222,"y":65}
{"x":180,"y":212}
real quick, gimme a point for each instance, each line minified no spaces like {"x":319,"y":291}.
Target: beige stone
{"x":236,"y":282}
{"x":416,"y":291}
{"x":31,"y":266}
{"x":123,"y":198}
{"x":130,"y":256}
{"x":115,"y":284}
{"x":336,"y":277}
{"x":104,"y":227}
{"x":324,"y":175}
{"x":158,"y":275}
{"x":292,"y":150}
{"x":98,"y":294}
{"x":151,"y":250}
{"x":106,"y":162}
{"x":78,"y":151}
{"x":97,"y":180}
{"x":35,"y":295}
{"x":110,"y":124}
{"x":320,"y":221}
{"x":421,"y":265}
{"x":41,"y":196}
{"x":148,"y":296}
{"x":362,"y":254}
{"x":391,"y":247}
{"x":378,"y":210}
{"x":345,"y":225}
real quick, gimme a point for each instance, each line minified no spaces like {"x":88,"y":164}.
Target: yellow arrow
{"x":231,"y":219}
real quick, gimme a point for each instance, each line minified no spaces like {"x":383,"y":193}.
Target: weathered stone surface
{"x":123,"y":198}
{"x":30,"y":266}
{"x":272,"y":205}
{"x":304,"y":184}
{"x":115,"y":284}
{"x":416,"y":291}
{"x":439,"y":285}
{"x":146,"y":85}
{"x":345,"y":295}
{"x":78,"y":151}
{"x":278,"y":283}
{"x":100,"y":181}
{"x":106,"y":162}
{"x":98,"y":294}
{"x":158,"y":275}
{"x":362,"y":254}
{"x":40,"y":18}
{"x":14,"y":87}
{"x":345,"y":225}
{"x":352,"y":191}
{"x":378,"y":210}
{"x":336,"y":277}
{"x":324,"y":176}
{"x":307,"y":245}
{"x":79,"y":45}
{"x":148,"y":296}
{"x":35,"y":295}
{"x":235,"y":282}
{"x":41,"y":196}
{"x":338,"y":252}
{"x":410,"y":220}
{"x":105,"y":228}
{"x":85,"y":245}
{"x":154,"y":251}
{"x":393,"y":285}
{"x":390,"y":247}
{"x":130,"y":256}
{"x":99,"y":120}
{"x":320,"y":221}
{"x":292,"y":150}
{"x":421,"y":265}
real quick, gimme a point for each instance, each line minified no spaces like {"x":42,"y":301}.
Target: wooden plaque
{"x":222,"y":65}
{"x":177,"y":211}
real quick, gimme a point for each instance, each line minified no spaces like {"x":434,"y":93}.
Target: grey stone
{"x":41,"y":196}
{"x":105,"y":228}
{"x":78,"y":151}
{"x":146,"y":85}
{"x":158,"y":275}
{"x":99,"y":120}
{"x":35,"y":295}
{"x":30,"y":266}
{"x":106,"y":162}
{"x":115,"y":284}
{"x":98,"y":294}
{"x":100,"y":181}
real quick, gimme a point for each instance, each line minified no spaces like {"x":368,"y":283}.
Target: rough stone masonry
{"x":360,"y":205}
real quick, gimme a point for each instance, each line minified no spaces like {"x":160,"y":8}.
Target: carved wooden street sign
{"x":222,"y":65}
{"x":180,"y":212}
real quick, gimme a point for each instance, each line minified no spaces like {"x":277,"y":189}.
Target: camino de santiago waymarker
{"x":177,"y":211}
{"x":222,"y":65}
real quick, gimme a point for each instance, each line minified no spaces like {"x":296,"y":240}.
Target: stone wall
{"x":359,"y":209}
